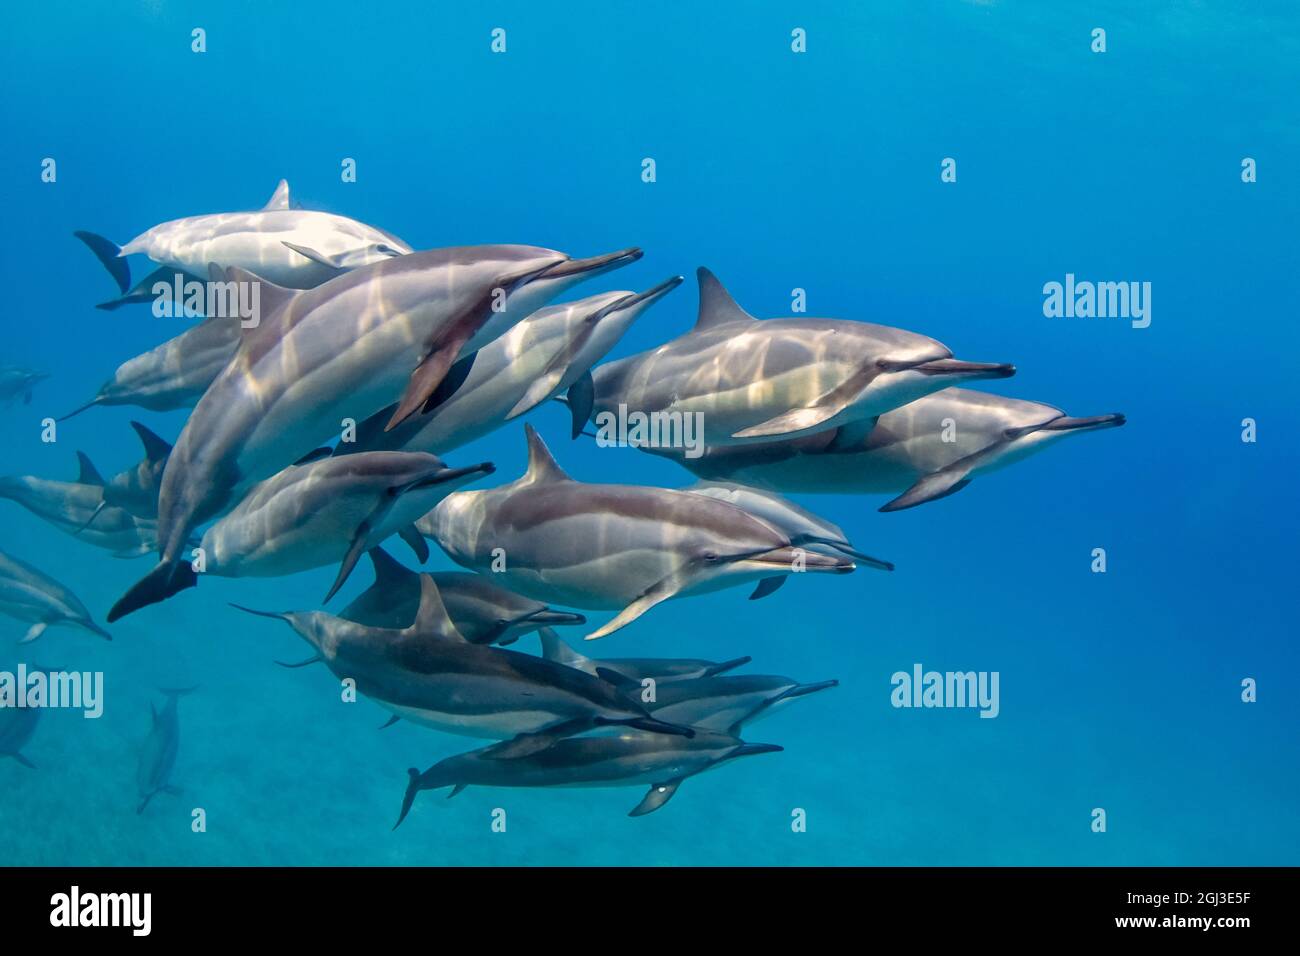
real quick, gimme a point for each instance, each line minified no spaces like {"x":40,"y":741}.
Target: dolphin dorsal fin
{"x":280,"y":198}
{"x":155,"y":449}
{"x":554,"y":649}
{"x":717,"y":307}
{"x":541,"y":466}
{"x":88,"y":474}
{"x":432,"y":620}
{"x":270,"y":297}
{"x":388,"y":570}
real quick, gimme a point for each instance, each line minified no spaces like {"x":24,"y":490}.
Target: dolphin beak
{"x":649,"y":296}
{"x":549,"y":617}
{"x":965,"y":371}
{"x":803,"y":690}
{"x":446,"y":475}
{"x":784,"y":559}
{"x":593,"y":266}
{"x":1068,"y":424}
{"x":877,"y":563}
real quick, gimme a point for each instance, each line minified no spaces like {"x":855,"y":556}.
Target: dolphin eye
{"x":1009,"y":433}
{"x":709,"y":556}
{"x":386,"y":250}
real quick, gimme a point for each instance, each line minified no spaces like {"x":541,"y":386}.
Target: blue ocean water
{"x":778,"y":170}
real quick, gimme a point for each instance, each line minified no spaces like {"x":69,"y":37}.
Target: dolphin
{"x":31,"y":595}
{"x":297,"y":248}
{"x":636,"y":669}
{"x":928,"y":449}
{"x":804,"y":528}
{"x":726,"y":704}
{"x":483,"y":612}
{"x":548,"y":353}
{"x":622,"y":547}
{"x":70,"y":506}
{"x":158,"y":755}
{"x":429,"y":674}
{"x":176,"y":373}
{"x":327,"y":511}
{"x":753,"y":380}
{"x":17,"y":724}
{"x":340,"y":351}
{"x":627,"y":760}
{"x":136,"y":489}
{"x":16,"y":381}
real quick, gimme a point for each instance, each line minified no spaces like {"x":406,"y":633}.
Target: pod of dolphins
{"x":316,"y":433}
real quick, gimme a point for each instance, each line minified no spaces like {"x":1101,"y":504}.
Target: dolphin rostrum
{"x":33,"y":596}
{"x":627,"y":760}
{"x":926,"y":450}
{"x":752,"y":380}
{"x":548,"y":353}
{"x":340,"y":351}
{"x":483,"y":612}
{"x":158,"y":754}
{"x":429,"y":674}
{"x":70,"y":506}
{"x":176,"y":373}
{"x":637,"y":669}
{"x":297,"y":248}
{"x":599,"y":546}
{"x":16,"y":381}
{"x":804,"y":528}
{"x":726,"y":704}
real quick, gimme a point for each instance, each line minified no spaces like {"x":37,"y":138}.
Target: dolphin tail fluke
{"x":725,"y":666}
{"x":168,"y":578}
{"x":656,"y":797}
{"x":109,"y":254}
{"x":932,"y":487}
{"x":412,"y":788}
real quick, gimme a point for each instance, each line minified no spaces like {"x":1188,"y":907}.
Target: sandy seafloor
{"x":778,"y":171}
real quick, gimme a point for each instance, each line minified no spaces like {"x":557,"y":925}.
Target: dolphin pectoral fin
{"x":932,"y":487}
{"x":143,"y":803}
{"x":581,"y":400}
{"x":314,"y":256}
{"x":617,"y":678}
{"x":24,"y":761}
{"x":162,"y":582}
{"x":422,"y":388}
{"x":412,"y":788}
{"x":316,"y":454}
{"x":390,"y":721}
{"x":415,"y":541}
{"x":656,"y":797}
{"x":109,"y":255}
{"x":355,"y":550}
{"x":538,"y":391}
{"x":648,"y":724}
{"x":172,"y":791}
{"x":456,"y":789}
{"x":822,"y":409}
{"x":525,"y":745}
{"x":33,"y":632}
{"x":314,"y":659}
{"x":93,"y":515}
{"x":850,"y":437}
{"x":767,"y":586}
{"x":656,"y":595}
